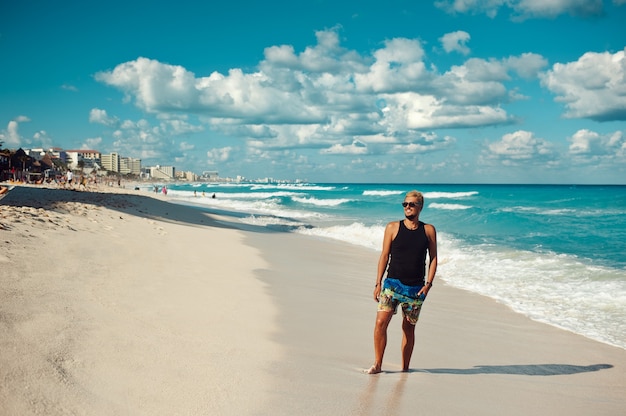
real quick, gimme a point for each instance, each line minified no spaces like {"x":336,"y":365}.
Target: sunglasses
{"x":410,"y":204}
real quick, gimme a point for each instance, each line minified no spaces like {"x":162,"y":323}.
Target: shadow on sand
{"x":134,"y":204}
{"x":521,"y":370}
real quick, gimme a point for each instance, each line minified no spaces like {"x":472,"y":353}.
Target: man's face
{"x":411,"y":207}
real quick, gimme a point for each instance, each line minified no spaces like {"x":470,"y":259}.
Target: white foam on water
{"x":268,"y":206}
{"x":382,"y":193}
{"x":449,"y":195}
{"x":320,"y":202}
{"x":355,"y":233}
{"x":435,"y":205}
{"x":559,"y":290}
{"x":293,"y":187}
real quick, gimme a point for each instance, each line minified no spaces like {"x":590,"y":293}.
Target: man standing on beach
{"x":405,"y":245}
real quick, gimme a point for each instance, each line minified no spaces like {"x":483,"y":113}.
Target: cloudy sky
{"x":444,"y":91}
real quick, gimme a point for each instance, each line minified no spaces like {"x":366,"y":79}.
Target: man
{"x":405,"y":245}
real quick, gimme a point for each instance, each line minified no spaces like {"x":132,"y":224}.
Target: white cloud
{"x":480,"y":82}
{"x":12,"y":139}
{"x":591,"y":145}
{"x":553,"y":8}
{"x":11,"y":136}
{"x":92,"y":143}
{"x":69,"y":87}
{"x":326,"y":56}
{"x":178,"y":127}
{"x":527,"y":65}
{"x":324,"y":97}
{"x":520,"y":146}
{"x":154,"y":85}
{"x":489,"y":7}
{"x":477,"y":70}
{"x":215,"y":156}
{"x":43,"y":139}
{"x":593,"y":87}
{"x":184,"y":146}
{"x":456,"y":42}
{"x":525,"y":8}
{"x":148,"y":141}
{"x":423,"y":144}
{"x":281,"y":56}
{"x":354,"y":148}
{"x":398,"y":67}
{"x":415,"y":112}
{"x":99,"y":116}
{"x":329,"y":87}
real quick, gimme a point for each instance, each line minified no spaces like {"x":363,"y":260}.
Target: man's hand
{"x":377,"y":290}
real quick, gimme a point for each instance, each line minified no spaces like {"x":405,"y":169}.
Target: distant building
{"x":163,"y":172}
{"x":130,"y":165}
{"x":210,"y":175}
{"x":40,"y":153}
{"x":36,"y":153}
{"x":187,"y":176}
{"x":89,"y":158}
{"x":111,"y":162}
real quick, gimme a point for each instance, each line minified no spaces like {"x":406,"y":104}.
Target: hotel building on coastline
{"x":57,"y":160}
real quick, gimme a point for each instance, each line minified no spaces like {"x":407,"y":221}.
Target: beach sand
{"x":118,"y":302}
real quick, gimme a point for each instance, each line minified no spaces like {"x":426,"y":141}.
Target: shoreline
{"x":169,"y":328}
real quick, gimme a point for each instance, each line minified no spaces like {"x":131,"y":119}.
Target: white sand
{"x":128,"y":305}
{"x":137,"y":308}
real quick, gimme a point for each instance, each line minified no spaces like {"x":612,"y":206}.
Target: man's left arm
{"x":431,"y":233}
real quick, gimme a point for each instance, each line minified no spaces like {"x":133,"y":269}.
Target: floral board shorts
{"x":394,"y":293}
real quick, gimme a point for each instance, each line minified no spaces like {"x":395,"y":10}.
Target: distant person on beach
{"x":70,"y":177}
{"x":405,"y":245}
{"x":83,"y":182}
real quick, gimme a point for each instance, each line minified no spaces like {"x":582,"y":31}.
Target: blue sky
{"x":449,"y":91}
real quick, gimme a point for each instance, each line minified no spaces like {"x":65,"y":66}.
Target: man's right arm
{"x":383,"y":260}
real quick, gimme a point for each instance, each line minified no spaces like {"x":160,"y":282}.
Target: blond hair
{"x":416,"y":194}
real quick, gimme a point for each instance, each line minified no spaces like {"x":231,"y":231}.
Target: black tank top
{"x":408,"y":255}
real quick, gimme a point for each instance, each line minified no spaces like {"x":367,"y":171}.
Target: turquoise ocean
{"x":554,"y":253}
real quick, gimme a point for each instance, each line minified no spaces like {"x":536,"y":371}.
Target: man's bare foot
{"x":374,"y":370}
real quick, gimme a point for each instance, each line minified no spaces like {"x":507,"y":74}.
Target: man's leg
{"x":408,"y":342}
{"x":380,"y":339}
